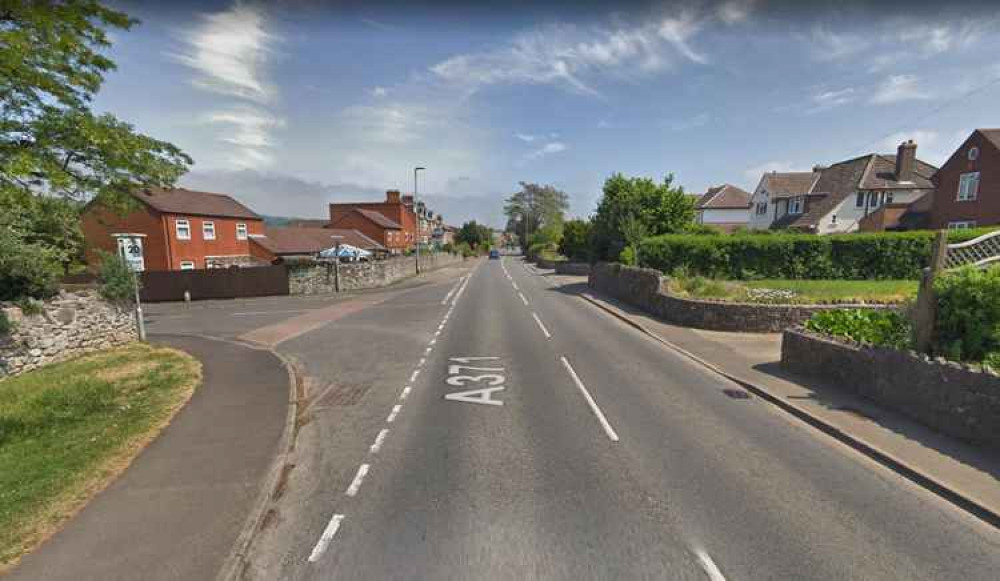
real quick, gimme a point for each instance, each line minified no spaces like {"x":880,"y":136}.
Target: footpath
{"x":966,"y":475}
{"x":179,"y":509}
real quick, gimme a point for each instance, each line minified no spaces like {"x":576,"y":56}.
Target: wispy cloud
{"x":828,"y":45}
{"x":526,"y":137}
{"x":229,"y":52}
{"x":377,"y":24}
{"x":380,"y":92}
{"x":831,"y":99}
{"x":735,"y":11}
{"x":567,"y":55}
{"x":547,"y":149}
{"x":898,"y":88}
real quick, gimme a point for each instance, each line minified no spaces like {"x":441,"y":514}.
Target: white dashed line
{"x":514,"y":284}
{"x":392,"y":414}
{"x":709,"y":566}
{"x":358,"y":479}
{"x":421,"y":362}
{"x":378,"y":440}
{"x":413,"y":376}
{"x":433,"y":341}
{"x":590,"y":401}
{"x":523,"y":300}
{"x":405,"y":392}
{"x":326,"y":537}
{"x":541,"y":326}
{"x":428,"y":350}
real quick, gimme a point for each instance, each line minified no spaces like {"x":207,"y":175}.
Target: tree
{"x":54,"y":152}
{"x":474,"y":234}
{"x":534,"y":209}
{"x":638,"y":207}
{"x":575,"y":243}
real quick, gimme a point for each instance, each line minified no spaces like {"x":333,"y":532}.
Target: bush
{"x":892,"y":255}
{"x":627,"y":256}
{"x":575,"y":243}
{"x":875,"y":327}
{"x":26,"y":269}
{"x":5,"y":325}
{"x":968,"y":313}
{"x":116,"y":278}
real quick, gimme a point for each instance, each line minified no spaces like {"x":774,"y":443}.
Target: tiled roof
{"x":882,"y":175}
{"x":789,"y":183}
{"x":307,"y":223}
{"x":724,"y":196}
{"x":182,"y":201}
{"x":311,"y":240}
{"x":378,"y":218}
{"x":993,"y":135}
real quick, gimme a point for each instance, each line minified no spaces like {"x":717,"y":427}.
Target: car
{"x":494,"y":254}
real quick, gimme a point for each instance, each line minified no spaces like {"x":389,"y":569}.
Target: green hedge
{"x":891,"y":255}
{"x":875,"y":327}
{"x":968,"y":314}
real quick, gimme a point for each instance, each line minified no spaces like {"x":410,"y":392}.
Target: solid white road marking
{"x":392,"y":414}
{"x":358,"y":479}
{"x":405,"y":392}
{"x":326,"y":537}
{"x":590,"y":401}
{"x":378,"y":440}
{"x":523,"y":300}
{"x":709,"y":566}
{"x":541,"y":326}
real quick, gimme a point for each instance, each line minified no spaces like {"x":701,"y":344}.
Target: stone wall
{"x":573,"y":268}
{"x":956,"y":399}
{"x":645,"y":288}
{"x":319,"y":278}
{"x":69,"y":325}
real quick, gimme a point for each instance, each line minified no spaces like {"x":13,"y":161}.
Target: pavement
{"x":499,"y":426}
{"x":180,"y":507}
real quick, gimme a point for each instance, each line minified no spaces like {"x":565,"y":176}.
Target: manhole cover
{"x":736,"y":393}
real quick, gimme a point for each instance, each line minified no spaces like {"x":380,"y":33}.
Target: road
{"x":579,"y":449}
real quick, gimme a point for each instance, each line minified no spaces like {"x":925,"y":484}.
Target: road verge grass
{"x":68,"y":429}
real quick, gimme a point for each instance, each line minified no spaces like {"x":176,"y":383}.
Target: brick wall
{"x":985,"y":209}
{"x":310,"y":279}
{"x":956,"y":399}
{"x":644,"y":288}
{"x":99,"y":223}
{"x":69,"y":325}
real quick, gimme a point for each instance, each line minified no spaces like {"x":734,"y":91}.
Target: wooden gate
{"x":214,"y":283}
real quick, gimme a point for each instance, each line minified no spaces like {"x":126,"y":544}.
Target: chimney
{"x":407,"y":200}
{"x":906,"y":155}
{"x":818,"y":168}
{"x":392,"y":196}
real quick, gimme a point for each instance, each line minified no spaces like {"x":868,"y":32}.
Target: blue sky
{"x":291,"y":105}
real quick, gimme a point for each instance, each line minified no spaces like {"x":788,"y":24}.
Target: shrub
{"x":875,"y":327}
{"x":26,"y":269}
{"x":895,"y":255}
{"x":116,"y":278}
{"x":627,"y":256}
{"x":30,"y":306}
{"x":968,"y":313}
{"x":575,"y":243}
{"x":5,"y":325}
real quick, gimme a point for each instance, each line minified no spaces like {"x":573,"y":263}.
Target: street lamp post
{"x":416,"y":214}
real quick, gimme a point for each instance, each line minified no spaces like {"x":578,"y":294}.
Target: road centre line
{"x":541,"y":326}
{"x":405,"y":392}
{"x":393,"y":413}
{"x":428,"y":350}
{"x":378,"y":441}
{"x":324,"y":540}
{"x":413,"y":376}
{"x":709,"y":566}
{"x":590,"y":401}
{"x":358,"y":479}
{"x":421,"y":362}
{"x":523,"y":300}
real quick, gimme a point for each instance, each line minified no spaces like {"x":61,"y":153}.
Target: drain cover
{"x":736,"y":393}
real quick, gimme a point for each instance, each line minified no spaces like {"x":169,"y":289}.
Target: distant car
{"x":494,"y":254}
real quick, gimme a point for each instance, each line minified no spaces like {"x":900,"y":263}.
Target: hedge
{"x":889,"y":255}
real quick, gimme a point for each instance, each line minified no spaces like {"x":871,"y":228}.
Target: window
{"x":860,"y":201}
{"x":208,"y":230}
{"x":968,"y":186}
{"x":241,"y":231}
{"x":795,"y":205}
{"x":872,"y":199}
{"x":888,"y":197}
{"x":962,"y":225}
{"x":183,"y":229}
{"x":973,"y":153}
{"x":187,"y":265}
{"x":833,"y":219}
{"x":761,"y":208}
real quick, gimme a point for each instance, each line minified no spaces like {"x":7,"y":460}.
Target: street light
{"x":416,"y":214}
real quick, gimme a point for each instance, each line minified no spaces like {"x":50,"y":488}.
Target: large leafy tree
{"x":55,"y":152}
{"x":632,"y":208}
{"x":474,"y":234}
{"x":535,"y":209}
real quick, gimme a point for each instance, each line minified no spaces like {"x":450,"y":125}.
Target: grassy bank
{"x":796,"y":291}
{"x":68,"y":429}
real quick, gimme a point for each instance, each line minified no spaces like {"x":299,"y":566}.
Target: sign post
{"x":130,"y":250}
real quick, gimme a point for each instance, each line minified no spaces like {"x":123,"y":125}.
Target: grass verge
{"x":68,"y":429}
{"x":796,"y":291}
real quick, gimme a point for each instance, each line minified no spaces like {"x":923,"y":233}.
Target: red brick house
{"x":392,"y":223}
{"x":182,"y":229}
{"x":967,"y":191}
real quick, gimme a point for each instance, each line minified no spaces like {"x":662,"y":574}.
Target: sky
{"x":290,"y":105}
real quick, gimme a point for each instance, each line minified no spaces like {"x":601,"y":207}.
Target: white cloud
{"x":735,"y":11}
{"x":380,"y":92}
{"x":898,"y":88}
{"x":525,"y":137}
{"x":229,"y":49}
{"x":828,"y":45}
{"x":754,"y":174}
{"x":252,"y":127}
{"x":565,"y":55}
{"x":547,"y":149}
{"x":830,"y":99}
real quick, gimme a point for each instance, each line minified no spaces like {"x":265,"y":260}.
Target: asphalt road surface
{"x":497,"y":426}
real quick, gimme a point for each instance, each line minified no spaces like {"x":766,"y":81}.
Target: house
{"x":180,"y":229}
{"x":726,"y":207}
{"x":397,"y":227}
{"x":281,"y":244}
{"x":844,"y":193}
{"x":968,"y":184}
{"x":774,"y":191}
